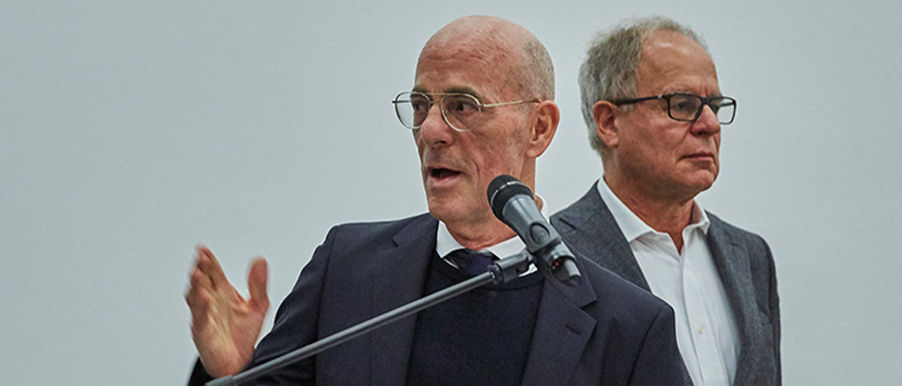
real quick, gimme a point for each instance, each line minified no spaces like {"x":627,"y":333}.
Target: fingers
{"x":200,"y":283}
{"x":198,"y":296}
{"x":210,"y":289}
{"x":256,"y":284}
{"x":209,"y":265}
{"x":224,"y":325}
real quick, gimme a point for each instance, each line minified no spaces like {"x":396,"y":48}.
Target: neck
{"x":483,"y":233}
{"x":662,"y":213}
{"x":480,"y":236}
{"x":667,"y":217}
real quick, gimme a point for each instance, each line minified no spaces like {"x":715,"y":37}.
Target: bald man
{"x":481,"y":106}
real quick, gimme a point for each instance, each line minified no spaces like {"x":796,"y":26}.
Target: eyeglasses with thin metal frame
{"x":459,"y":110}
{"x":688,"y":107}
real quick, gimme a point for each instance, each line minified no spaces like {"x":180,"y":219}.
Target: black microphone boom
{"x":513,"y":203}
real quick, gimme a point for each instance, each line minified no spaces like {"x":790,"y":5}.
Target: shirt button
{"x":700,"y":330}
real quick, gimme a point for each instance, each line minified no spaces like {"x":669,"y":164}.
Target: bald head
{"x":489,"y":42}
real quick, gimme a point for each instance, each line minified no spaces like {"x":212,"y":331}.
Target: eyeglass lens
{"x":460,"y":111}
{"x":688,"y":107}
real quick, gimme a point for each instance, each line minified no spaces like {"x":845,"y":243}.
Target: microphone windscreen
{"x":501,"y":190}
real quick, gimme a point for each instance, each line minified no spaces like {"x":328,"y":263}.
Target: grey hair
{"x":536,"y":78}
{"x":609,"y":72}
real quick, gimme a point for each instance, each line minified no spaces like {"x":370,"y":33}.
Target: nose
{"x":707,"y":122}
{"x":434,"y":129}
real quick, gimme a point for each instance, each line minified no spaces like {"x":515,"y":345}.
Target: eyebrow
{"x":684,"y":91}
{"x":452,"y":90}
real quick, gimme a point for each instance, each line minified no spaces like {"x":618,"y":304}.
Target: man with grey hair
{"x":481,"y":106}
{"x":654,"y":109}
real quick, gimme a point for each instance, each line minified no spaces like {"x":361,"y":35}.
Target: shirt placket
{"x":704,"y":339}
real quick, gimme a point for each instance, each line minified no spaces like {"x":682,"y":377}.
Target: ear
{"x":606,"y":122}
{"x":544,"y":126}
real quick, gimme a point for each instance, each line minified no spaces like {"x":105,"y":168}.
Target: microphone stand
{"x":499,"y":272}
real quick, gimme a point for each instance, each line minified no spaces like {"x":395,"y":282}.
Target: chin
{"x":703,"y":185}
{"x":693,"y":185}
{"x":442,"y":209}
{"x":452,"y":210}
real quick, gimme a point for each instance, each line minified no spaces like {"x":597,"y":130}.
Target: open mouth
{"x":441,"y":173}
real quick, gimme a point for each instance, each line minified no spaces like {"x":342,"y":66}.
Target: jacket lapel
{"x":561,"y":333}
{"x":391,"y":344}
{"x":732,"y":263}
{"x":589,"y":227}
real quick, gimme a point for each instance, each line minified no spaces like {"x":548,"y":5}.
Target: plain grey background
{"x":132,"y":131}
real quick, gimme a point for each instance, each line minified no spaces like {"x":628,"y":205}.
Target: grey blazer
{"x":744,"y":263}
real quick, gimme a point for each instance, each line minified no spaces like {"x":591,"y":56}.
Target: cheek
{"x":502,"y":155}
{"x":652,"y":153}
{"x":645,"y":142}
{"x":666,"y":140}
{"x":500,"y":149}
{"x":415,"y":134}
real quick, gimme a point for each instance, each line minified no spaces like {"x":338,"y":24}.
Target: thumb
{"x":256,"y":284}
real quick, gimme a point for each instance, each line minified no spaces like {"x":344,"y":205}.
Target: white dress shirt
{"x":706,"y":330}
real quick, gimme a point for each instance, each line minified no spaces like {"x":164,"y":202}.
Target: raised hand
{"x":224,"y":325}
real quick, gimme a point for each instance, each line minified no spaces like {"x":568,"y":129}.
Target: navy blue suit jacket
{"x":604,"y":331}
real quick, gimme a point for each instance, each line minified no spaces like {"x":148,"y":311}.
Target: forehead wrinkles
{"x":490,"y":61}
{"x":667,"y":57}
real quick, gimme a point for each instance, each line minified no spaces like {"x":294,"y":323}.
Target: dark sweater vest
{"x":478,"y":338}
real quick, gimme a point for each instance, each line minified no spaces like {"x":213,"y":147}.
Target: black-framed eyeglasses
{"x":460,"y":111}
{"x":688,"y":107}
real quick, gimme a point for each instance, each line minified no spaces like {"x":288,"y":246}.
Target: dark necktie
{"x":472,"y":263}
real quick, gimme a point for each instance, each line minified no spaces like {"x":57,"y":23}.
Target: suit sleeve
{"x":774,"y":302}
{"x":659,"y":362}
{"x":295,"y":326}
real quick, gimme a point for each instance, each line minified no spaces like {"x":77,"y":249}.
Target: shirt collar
{"x":631,"y":225}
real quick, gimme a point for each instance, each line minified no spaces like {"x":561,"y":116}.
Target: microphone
{"x":513,"y":203}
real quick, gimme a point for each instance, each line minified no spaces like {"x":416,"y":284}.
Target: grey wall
{"x":129,"y":132}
